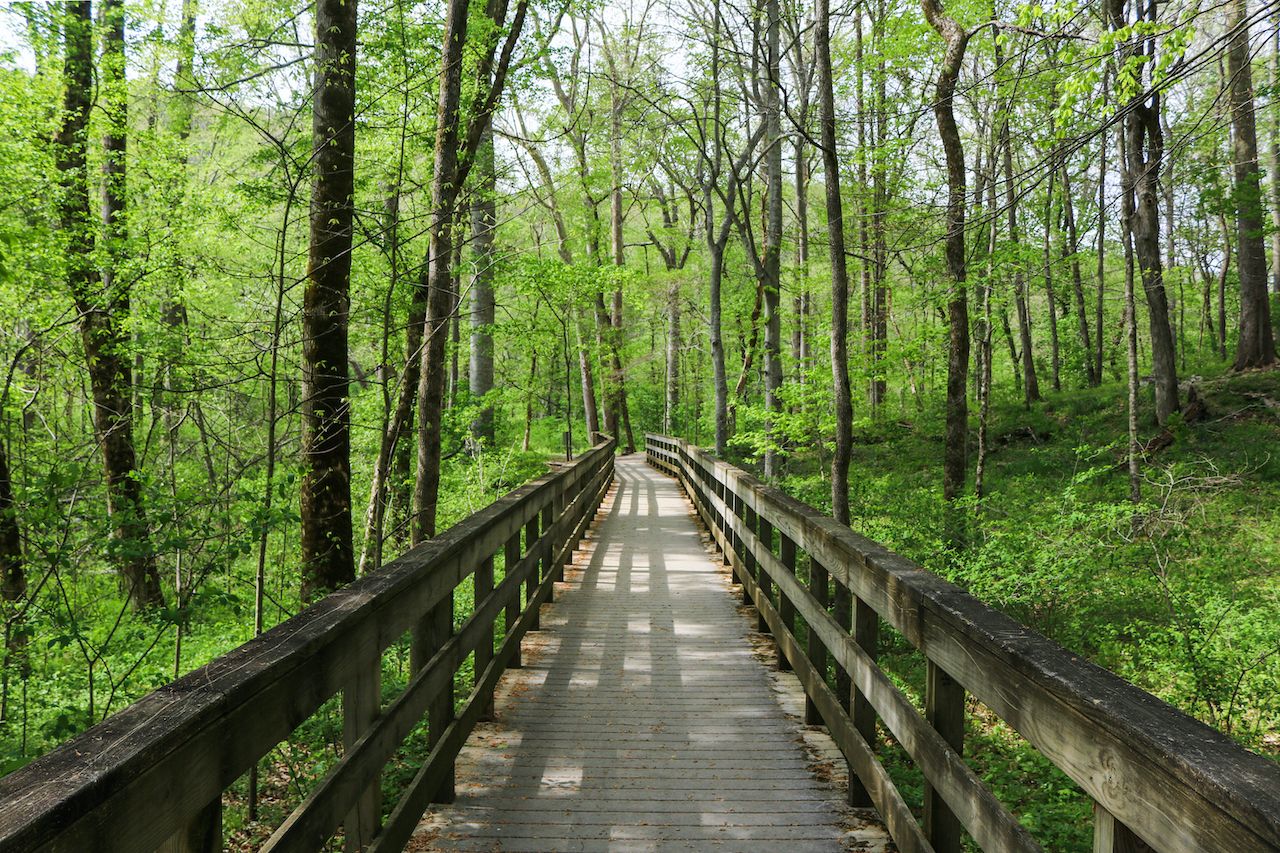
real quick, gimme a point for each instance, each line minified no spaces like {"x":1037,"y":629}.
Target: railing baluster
{"x":432,"y":633}
{"x":548,"y":560}
{"x":484,"y":651}
{"x":748,"y":557}
{"x":765,"y":533}
{"x":1112,"y":836}
{"x":531,"y":585}
{"x":786,"y":608}
{"x":944,"y":709}
{"x":202,"y":834}
{"x":819,"y":585}
{"x":361,"y":702}
{"x":511,"y":556}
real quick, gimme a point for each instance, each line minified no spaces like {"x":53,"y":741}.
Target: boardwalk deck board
{"x":643,"y":718}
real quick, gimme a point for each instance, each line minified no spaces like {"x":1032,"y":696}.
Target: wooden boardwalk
{"x":643,"y":718}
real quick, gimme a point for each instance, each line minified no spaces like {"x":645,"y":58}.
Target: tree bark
{"x":842,"y":402}
{"x":1144,"y":147}
{"x":103,"y":310}
{"x":1257,"y":346}
{"x":327,"y":558}
{"x":1031,"y":386}
{"x":455,"y":149}
{"x":1077,"y":279}
{"x":673,"y":358}
{"x":1055,"y":352}
{"x":955,"y":451}
{"x":483,"y":221}
{"x":772,"y":262}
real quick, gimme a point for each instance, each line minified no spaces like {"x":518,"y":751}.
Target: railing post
{"x":765,"y":533}
{"x":748,"y":556}
{"x":202,"y":834}
{"x":531,"y":585}
{"x":511,"y":556}
{"x":819,"y":586}
{"x":432,"y":632}
{"x":361,"y":702}
{"x":549,"y":564}
{"x":484,"y":651}
{"x":944,"y":710}
{"x":866,"y":633}
{"x":786,"y":608}
{"x":1112,"y":836}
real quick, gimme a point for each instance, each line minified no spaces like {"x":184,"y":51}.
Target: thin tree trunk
{"x":1130,"y":313}
{"x":1274,"y":113}
{"x":1054,"y":349}
{"x":772,"y":261}
{"x":483,"y":221}
{"x":327,"y":559}
{"x":1077,"y":280}
{"x":455,"y":148}
{"x":1032,"y":385}
{"x":1102,"y":246}
{"x":1257,"y":346}
{"x":1145,"y":150}
{"x":589,"y":406}
{"x":955,"y":453}
{"x":842,"y":402}
{"x":673,"y":358}
{"x":1222,"y":285}
{"x":103,"y":310}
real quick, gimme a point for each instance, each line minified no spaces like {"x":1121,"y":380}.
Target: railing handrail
{"x":145,"y":773}
{"x":1176,"y":782}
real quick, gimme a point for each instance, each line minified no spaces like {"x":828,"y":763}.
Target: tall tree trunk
{"x":1223,"y":273}
{"x":839,"y":270}
{"x":1144,"y":145}
{"x":1077,"y":280}
{"x":13,"y":578}
{"x":1130,"y":312}
{"x":1031,"y":387}
{"x":1257,"y":346}
{"x":1102,"y":246}
{"x":772,"y":265}
{"x":483,"y":221}
{"x":589,"y":405}
{"x":1274,"y":113}
{"x":455,"y":148}
{"x":673,"y":358}
{"x":879,"y":209}
{"x":1055,"y":351}
{"x":955,"y":451}
{"x":720,"y":379}
{"x":103,"y":310}
{"x":327,"y":558}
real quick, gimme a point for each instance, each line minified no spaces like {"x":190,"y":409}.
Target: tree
{"x":1144,"y":146}
{"x":483,"y":221}
{"x":1257,"y":346}
{"x":955,"y":452}
{"x":102,"y":302}
{"x":839,"y":270}
{"x":327,"y":557}
{"x":455,"y":150}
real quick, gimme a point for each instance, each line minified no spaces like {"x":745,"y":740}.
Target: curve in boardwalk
{"x":642,"y":719}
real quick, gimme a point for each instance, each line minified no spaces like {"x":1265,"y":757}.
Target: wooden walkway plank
{"x":643,"y":718}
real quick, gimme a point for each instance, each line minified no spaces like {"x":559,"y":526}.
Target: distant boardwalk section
{"x":642,"y":720}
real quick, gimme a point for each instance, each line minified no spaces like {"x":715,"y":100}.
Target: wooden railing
{"x":1159,"y":779}
{"x":152,"y":776}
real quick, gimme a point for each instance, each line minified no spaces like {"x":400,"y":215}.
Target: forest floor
{"x":1179,"y":593}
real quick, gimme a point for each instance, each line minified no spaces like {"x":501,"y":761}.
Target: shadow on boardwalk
{"x":643,"y":718}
